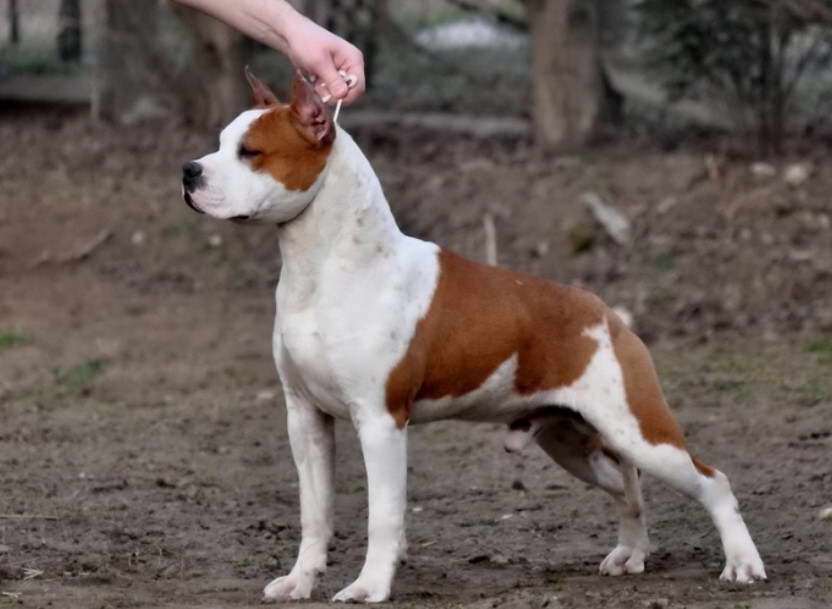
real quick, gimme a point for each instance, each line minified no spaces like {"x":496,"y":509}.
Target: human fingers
{"x":329,"y":83}
{"x":350,"y":61}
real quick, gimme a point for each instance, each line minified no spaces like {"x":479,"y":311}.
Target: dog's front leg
{"x":312,"y":438}
{"x":385,"y":456}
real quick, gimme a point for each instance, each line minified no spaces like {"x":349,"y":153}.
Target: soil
{"x":143,"y":452}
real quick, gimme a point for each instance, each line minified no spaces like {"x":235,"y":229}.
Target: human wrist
{"x":283,"y":21}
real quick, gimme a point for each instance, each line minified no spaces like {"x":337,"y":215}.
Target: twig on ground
{"x":490,"y":239}
{"x":87,"y":248}
{"x":29,"y":573}
{"x":78,"y":254}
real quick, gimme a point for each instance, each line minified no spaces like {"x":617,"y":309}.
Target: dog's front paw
{"x":292,"y":587}
{"x":744,"y":570}
{"x":364,"y":590}
{"x":623,"y":559}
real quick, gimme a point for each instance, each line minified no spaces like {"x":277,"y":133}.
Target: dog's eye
{"x":247,"y":152}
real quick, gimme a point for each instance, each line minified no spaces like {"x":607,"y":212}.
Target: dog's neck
{"x":348,"y":225}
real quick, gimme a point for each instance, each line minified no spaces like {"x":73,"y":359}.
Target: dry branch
{"x":490,"y":239}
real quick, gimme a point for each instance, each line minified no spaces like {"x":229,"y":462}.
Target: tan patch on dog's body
{"x":642,"y":388}
{"x":644,"y":392}
{"x":284,"y":152}
{"x":479,"y":317}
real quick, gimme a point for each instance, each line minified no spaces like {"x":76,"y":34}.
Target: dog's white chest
{"x":304,"y":359}
{"x":338,"y":335}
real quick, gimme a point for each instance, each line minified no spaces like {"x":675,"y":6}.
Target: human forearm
{"x":320,"y":55}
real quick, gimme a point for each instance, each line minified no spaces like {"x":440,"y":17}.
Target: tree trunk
{"x":138,"y":78}
{"x":129,"y":87}
{"x":569,"y":94}
{"x":69,"y":30}
{"x":14,"y":22}
{"x":212,"y":90}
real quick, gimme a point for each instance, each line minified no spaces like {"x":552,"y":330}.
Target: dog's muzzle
{"x":191,"y":180}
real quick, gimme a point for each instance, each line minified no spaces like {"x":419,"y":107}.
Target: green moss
{"x":11,"y":338}
{"x":822,"y":347}
{"x":80,"y":376}
{"x":665,"y":261}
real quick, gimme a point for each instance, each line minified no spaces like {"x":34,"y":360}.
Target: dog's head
{"x":270,"y":161}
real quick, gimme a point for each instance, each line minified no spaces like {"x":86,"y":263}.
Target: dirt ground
{"x":143,"y":451}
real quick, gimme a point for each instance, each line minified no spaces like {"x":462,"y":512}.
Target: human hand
{"x":320,"y":55}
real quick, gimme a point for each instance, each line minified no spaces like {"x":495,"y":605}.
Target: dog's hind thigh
{"x":580,"y":450}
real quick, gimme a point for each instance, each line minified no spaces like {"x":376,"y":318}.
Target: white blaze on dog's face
{"x":270,"y":162}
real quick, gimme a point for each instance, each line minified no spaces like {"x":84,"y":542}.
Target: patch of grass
{"x":11,"y":338}
{"x":10,"y":598}
{"x":581,"y":238}
{"x":813,"y":393}
{"x":665,"y":261}
{"x":242,"y":563}
{"x":739,"y":390}
{"x":19,"y":396}
{"x":179,"y":229}
{"x":80,"y":376}
{"x":822,"y":347}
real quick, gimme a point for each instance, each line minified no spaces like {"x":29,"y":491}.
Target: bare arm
{"x":314,"y":50}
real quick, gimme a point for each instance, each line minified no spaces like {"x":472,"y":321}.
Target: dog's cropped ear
{"x":262,"y":96}
{"x":310,"y":114}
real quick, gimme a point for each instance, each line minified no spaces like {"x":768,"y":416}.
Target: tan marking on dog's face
{"x":283,"y":151}
{"x":479,"y":317}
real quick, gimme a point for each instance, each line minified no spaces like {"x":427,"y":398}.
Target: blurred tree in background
{"x":152,"y":58}
{"x":749,"y":54}
{"x":575,"y":67}
{"x":13,"y":17}
{"x":69,"y":30}
{"x":569,"y":93}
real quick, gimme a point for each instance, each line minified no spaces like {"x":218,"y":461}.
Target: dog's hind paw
{"x":623,"y":560}
{"x":292,"y":587}
{"x":744,"y":571}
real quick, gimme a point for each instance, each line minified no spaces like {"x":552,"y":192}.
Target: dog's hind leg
{"x":633,"y":545}
{"x":578,"y":448}
{"x":619,"y":394}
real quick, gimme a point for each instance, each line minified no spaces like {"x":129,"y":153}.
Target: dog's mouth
{"x":190,"y":202}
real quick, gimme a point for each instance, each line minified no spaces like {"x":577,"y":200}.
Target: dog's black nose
{"x":191,"y":171}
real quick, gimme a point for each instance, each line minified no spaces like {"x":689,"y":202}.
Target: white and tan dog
{"x":385,"y":330}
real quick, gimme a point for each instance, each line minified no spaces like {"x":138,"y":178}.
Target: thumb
{"x":334,"y":82}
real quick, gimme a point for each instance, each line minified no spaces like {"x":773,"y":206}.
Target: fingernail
{"x":326,"y":98}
